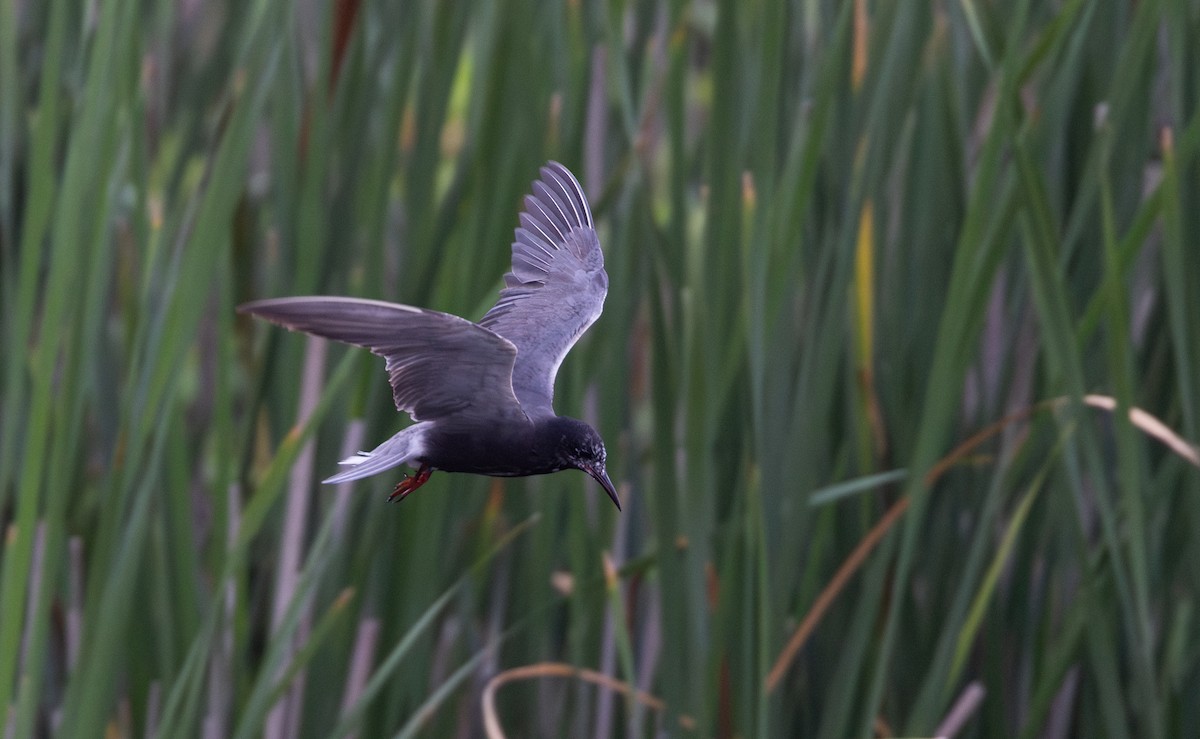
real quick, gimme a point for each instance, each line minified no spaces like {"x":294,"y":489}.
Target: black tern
{"x":481,"y":394}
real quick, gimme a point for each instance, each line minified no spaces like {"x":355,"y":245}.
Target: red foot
{"x":409,"y":484}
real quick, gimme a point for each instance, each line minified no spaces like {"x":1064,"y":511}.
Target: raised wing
{"x":439,"y":365}
{"x":556,"y":287}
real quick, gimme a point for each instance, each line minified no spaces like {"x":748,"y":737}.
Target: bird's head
{"x":580,"y":447}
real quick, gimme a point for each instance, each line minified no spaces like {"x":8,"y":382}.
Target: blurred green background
{"x":843,"y":240}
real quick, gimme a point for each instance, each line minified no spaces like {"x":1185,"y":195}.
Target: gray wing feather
{"x":438,"y":364}
{"x":556,"y":288}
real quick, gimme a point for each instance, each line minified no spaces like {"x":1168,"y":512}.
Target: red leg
{"x":409,"y":484}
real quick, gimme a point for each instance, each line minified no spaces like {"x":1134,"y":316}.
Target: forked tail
{"x":405,"y":446}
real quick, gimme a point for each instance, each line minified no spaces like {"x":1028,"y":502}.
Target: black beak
{"x":600,"y":476}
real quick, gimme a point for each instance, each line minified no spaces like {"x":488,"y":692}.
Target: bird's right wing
{"x":556,"y":288}
{"x":438,"y":364}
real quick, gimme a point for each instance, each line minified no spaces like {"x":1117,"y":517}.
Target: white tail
{"x":407,"y":445}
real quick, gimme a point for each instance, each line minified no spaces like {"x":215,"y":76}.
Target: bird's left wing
{"x":556,"y":288}
{"x":438,"y":364}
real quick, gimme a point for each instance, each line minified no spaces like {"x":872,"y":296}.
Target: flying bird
{"x":482,"y":394}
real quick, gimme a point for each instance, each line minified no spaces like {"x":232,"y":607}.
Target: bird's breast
{"x":495,"y":450}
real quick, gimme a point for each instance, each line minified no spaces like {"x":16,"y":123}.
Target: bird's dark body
{"x":513,"y":450}
{"x":482,"y":393}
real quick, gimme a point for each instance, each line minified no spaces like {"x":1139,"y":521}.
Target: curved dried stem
{"x":491,"y":722}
